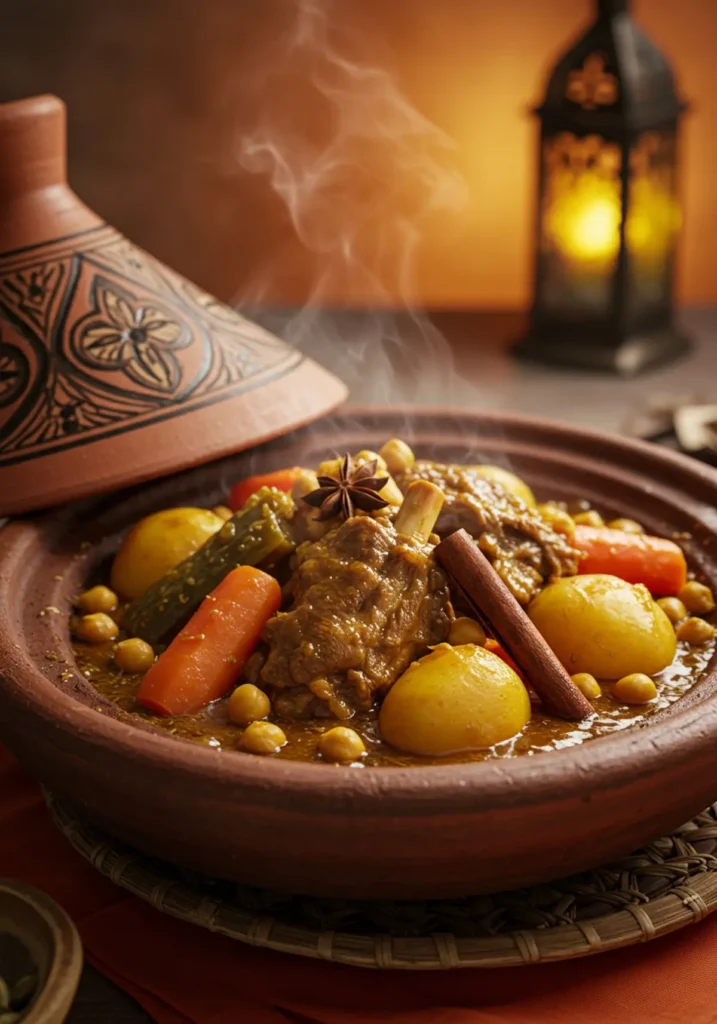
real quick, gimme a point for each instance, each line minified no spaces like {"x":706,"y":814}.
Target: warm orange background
{"x":162,"y":94}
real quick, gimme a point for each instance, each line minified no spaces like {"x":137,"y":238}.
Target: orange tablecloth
{"x":184,"y":975}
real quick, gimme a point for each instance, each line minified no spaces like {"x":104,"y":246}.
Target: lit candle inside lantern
{"x":584,"y":222}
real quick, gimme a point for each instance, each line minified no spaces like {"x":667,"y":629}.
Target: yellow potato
{"x":604,"y":626}
{"x":454,"y":699}
{"x":512,"y":483}
{"x":156,"y":544}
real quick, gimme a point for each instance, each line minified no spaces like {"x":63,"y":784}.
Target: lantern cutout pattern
{"x":608,"y":218}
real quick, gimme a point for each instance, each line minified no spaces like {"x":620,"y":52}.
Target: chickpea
{"x":366,"y":455}
{"x":96,"y":628}
{"x":248,"y":704}
{"x":341,"y":744}
{"x":466,"y":631}
{"x":223,"y":512}
{"x":391,"y":492}
{"x":398,"y":456}
{"x":305,"y":482}
{"x":134,"y":655}
{"x":262,"y":738}
{"x":635,"y":689}
{"x":587,"y":684}
{"x":673,"y":609}
{"x":97,"y":599}
{"x":558,"y":519}
{"x":626,"y":525}
{"x":697,"y":598}
{"x":589,"y":518}
{"x":329,"y":467}
{"x":695,"y":631}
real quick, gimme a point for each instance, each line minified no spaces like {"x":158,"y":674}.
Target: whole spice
{"x":499,"y":612}
{"x":351,"y":489}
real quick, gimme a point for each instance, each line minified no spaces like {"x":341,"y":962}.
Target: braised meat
{"x":524,"y":550}
{"x":366,"y":602}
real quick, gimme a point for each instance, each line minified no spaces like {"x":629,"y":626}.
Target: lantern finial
{"x":608,"y":7}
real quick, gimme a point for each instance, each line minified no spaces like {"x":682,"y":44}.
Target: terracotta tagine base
{"x":113,"y":368}
{"x":377,"y":833}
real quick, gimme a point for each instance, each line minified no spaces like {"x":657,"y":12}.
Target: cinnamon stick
{"x":500,"y":613}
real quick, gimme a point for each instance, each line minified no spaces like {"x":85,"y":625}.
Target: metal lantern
{"x":608,"y":210}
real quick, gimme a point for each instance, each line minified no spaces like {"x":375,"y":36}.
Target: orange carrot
{"x":205,"y":657}
{"x":656,"y":562}
{"x":281,"y":479}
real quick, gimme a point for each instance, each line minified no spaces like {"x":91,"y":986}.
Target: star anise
{"x":351,"y":489}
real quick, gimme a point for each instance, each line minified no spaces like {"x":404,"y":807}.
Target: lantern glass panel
{"x":580,"y":218}
{"x":653,"y":222}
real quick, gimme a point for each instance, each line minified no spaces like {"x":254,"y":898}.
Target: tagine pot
{"x":417,"y":832}
{"x":113,"y":368}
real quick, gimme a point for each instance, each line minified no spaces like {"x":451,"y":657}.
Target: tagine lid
{"x":114,"y":369}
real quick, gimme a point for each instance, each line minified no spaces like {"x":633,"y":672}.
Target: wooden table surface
{"x":472,"y":368}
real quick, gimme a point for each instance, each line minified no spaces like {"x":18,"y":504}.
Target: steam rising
{"x":359,"y":187}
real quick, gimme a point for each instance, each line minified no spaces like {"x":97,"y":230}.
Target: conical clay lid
{"x":113,"y":368}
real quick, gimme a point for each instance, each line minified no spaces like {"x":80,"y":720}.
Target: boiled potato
{"x":604,"y":626}
{"x":512,"y":483}
{"x":454,"y":699}
{"x":156,"y":544}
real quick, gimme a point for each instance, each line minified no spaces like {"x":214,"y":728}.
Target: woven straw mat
{"x":660,"y":888}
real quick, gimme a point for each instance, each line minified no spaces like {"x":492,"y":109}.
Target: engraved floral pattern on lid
{"x":135,"y":338}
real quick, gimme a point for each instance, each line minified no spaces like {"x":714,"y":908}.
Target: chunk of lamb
{"x":524,"y":550}
{"x":366,"y":602}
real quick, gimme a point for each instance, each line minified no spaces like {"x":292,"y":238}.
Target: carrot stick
{"x":206,"y":657}
{"x":656,"y":562}
{"x":281,"y":479}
